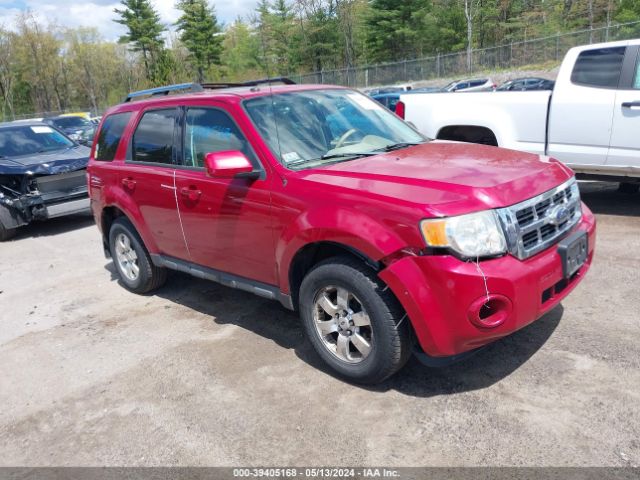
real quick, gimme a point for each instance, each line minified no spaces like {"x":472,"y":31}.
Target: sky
{"x":99,"y":13}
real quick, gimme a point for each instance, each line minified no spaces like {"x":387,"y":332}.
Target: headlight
{"x":473,"y":235}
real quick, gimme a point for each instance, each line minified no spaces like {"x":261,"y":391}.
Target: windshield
{"x":71,"y":122}
{"x":317,"y":127}
{"x":28,"y":140}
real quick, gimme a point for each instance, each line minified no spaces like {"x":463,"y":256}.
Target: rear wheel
{"x":353,"y":321}
{"x":132,"y":261}
{"x":6,"y":233}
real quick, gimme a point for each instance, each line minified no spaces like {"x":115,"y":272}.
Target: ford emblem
{"x":558,"y":215}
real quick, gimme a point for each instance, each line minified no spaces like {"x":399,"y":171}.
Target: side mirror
{"x":227,"y":164}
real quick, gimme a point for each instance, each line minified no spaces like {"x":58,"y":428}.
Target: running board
{"x":263,"y":290}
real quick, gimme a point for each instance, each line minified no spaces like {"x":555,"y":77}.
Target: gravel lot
{"x":199,"y":374}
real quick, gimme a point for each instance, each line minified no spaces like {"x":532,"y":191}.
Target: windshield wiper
{"x":331,"y":156}
{"x":398,"y":146}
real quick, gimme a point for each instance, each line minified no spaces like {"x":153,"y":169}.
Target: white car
{"x":472,"y":85}
{"x":590,"y":120}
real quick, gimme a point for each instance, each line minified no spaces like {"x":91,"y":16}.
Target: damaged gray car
{"x":42,"y":175}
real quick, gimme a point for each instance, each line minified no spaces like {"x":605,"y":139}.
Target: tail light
{"x":400,"y":109}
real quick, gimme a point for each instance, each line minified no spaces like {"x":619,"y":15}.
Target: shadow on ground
{"x":604,"y":198}
{"x":55,"y":226}
{"x":272,"y":321}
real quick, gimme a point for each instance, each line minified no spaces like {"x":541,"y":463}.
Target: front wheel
{"x":6,"y":233}
{"x":353,"y":321}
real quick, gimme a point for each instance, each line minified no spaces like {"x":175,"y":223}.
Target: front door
{"x":227,"y":222}
{"x":624,"y":150}
{"x":582,"y":108}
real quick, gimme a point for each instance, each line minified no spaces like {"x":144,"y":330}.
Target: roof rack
{"x":198,"y":87}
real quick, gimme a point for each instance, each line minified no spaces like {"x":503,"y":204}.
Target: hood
{"x":49,"y":163}
{"x":448,"y":178}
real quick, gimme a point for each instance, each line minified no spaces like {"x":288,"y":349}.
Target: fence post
{"x":438,"y":64}
{"x":557,"y":45}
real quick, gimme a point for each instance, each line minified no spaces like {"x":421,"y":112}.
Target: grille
{"x":62,"y":181}
{"x":536,"y":224}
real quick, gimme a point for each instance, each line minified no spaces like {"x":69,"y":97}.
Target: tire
{"x":629,"y":188}
{"x":7,"y":233}
{"x":134,"y":266}
{"x":388,"y":334}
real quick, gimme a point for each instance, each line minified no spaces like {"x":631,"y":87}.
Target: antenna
{"x":273,"y":103}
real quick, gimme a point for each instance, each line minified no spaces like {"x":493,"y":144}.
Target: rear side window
{"x":600,"y":67}
{"x":153,"y":138}
{"x":110,"y":136}
{"x":210,"y":130}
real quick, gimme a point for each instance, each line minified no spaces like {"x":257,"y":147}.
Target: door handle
{"x":635,"y":104}
{"x":193,"y":194}
{"x":129,"y":183}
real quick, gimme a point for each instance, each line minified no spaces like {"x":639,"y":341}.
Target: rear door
{"x":226,"y":221}
{"x":624,"y":150}
{"x":582,"y":107}
{"x":148,"y":178}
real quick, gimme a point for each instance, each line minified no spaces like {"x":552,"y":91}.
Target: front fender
{"x":342,"y":226}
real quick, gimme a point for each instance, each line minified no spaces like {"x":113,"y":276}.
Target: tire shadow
{"x":272,"y":321}
{"x":54,"y":226}
{"x":605,"y":198}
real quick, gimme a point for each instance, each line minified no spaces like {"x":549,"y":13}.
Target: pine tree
{"x":145,"y":32}
{"x":200,"y":34}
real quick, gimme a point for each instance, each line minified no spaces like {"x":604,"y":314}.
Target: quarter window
{"x":110,"y":136}
{"x":600,"y":67}
{"x":153,"y":139}
{"x":210,"y":130}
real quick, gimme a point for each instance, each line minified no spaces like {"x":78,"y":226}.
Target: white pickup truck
{"x":590,"y":121}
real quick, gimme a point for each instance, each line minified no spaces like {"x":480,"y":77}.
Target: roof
{"x":234,"y":93}
{"x":23,"y":123}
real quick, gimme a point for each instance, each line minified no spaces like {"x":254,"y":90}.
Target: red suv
{"x":317,"y":196}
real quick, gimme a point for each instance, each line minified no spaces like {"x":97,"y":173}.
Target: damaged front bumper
{"x":444,"y":297}
{"x":28,"y":197}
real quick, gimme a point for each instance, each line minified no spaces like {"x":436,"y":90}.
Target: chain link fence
{"x":509,"y":56}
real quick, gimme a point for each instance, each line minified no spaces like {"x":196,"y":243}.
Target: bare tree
{"x":471,"y":9}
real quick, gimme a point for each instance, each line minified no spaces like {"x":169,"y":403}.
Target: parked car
{"x":388,"y":100}
{"x":590,"y":120}
{"x":77,"y":128}
{"x":42,"y":175}
{"x":529,"y":83}
{"x":320,"y":198}
{"x":390,"y":89}
{"x":474,"y":85}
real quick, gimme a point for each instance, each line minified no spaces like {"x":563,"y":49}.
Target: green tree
{"x":145,"y":33}
{"x":241,"y":55}
{"x":200,"y":34}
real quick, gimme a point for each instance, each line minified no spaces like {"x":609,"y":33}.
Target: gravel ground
{"x":199,"y":374}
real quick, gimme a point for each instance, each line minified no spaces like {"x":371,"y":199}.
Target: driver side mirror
{"x":227,"y":164}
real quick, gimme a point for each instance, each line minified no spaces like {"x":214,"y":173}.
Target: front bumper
{"x":440,"y":292}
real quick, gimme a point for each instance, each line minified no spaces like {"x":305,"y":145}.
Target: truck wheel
{"x":6,"y":233}
{"x":133,"y":263}
{"x":354,"y":322}
{"x":629,"y":188}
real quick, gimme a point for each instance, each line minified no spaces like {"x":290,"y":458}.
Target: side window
{"x":600,"y":67}
{"x":153,"y":138}
{"x":210,"y":130}
{"x":110,"y":136}
{"x":636,"y":77}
